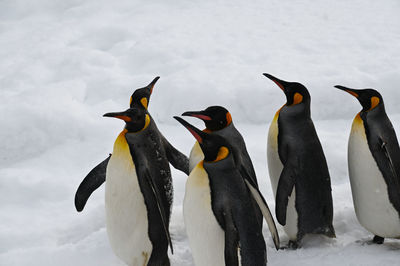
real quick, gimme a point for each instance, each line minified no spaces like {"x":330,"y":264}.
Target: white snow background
{"x":63,"y":64}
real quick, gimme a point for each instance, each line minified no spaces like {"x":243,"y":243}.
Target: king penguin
{"x":138,"y":195}
{"x":218,"y":210}
{"x":297,"y":168}
{"x":218,"y":120}
{"x":140,"y":99}
{"x":374,"y":167}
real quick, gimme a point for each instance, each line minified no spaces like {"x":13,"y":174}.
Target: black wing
{"x":143,"y":172}
{"x":175,"y":157}
{"x":386,"y":158}
{"x":231,"y":241}
{"x":262,"y":204}
{"x":90,"y":183}
{"x":283,"y":192}
{"x":160,"y":207}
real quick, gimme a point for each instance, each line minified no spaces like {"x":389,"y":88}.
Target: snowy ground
{"x":65,"y":63}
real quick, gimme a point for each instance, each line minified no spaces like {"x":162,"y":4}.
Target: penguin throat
{"x":146,"y":124}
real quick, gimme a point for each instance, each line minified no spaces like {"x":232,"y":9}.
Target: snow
{"x":65,"y":63}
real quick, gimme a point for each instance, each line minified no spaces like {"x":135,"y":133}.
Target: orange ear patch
{"x":228,"y":118}
{"x":222,"y":154}
{"x":297,"y":98}
{"x":374,"y":102}
{"x":144,"y":102}
{"x":130,"y":101}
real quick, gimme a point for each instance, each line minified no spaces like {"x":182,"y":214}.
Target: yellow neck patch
{"x":222,"y":154}
{"x":277,"y":113}
{"x":120,"y":143}
{"x":144,"y":102}
{"x":358,"y":119}
{"x":374,"y":102}
{"x":297,"y":98}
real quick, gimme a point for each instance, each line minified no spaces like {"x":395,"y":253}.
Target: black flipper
{"x":284,"y":190}
{"x":389,"y":158}
{"x":231,"y":242}
{"x":160,"y":207}
{"x":95,"y":178}
{"x":262,"y":204}
{"x":176,"y":158}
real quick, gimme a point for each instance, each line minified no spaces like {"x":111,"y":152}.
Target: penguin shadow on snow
{"x":389,"y":244}
{"x":309,"y":241}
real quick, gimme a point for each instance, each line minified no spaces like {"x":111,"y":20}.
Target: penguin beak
{"x":281,"y":83}
{"x":151,"y":85}
{"x":197,"y":133}
{"x":351,"y":91}
{"x":119,"y":115}
{"x":199,"y":114}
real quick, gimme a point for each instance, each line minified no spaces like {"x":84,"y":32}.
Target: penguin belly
{"x":206,"y":237}
{"x":126,"y":212}
{"x":275,"y":168}
{"x":370,"y":195}
{"x":196,"y":156}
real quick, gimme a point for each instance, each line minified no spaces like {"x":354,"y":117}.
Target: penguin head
{"x":136,"y":119}
{"x":141,"y":96}
{"x":214,"y":147}
{"x":214,"y":117}
{"x":295,"y":92}
{"x":368,"y":98}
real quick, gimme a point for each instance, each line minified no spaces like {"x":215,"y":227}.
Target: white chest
{"x":371,"y":200}
{"x":275,"y":168}
{"x":126,"y":213}
{"x":206,"y":237}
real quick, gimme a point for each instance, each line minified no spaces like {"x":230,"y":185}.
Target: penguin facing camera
{"x":138,"y":194}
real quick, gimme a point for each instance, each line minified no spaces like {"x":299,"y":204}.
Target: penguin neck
{"x":377,"y":112}
{"x":298,"y":111}
{"x":137,"y":128}
{"x":219,"y":130}
{"x":221,"y":165}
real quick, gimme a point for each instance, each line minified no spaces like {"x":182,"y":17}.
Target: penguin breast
{"x":369,"y":189}
{"x":275,"y":168}
{"x":196,"y":156}
{"x":206,"y":237}
{"x":126,"y":213}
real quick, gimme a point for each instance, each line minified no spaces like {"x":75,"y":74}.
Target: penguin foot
{"x":291,"y":245}
{"x":378,"y":240}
